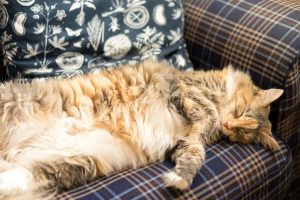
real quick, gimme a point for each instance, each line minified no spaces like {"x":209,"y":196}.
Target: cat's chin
{"x":225,"y":131}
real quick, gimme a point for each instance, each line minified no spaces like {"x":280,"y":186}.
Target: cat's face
{"x":246,"y":117}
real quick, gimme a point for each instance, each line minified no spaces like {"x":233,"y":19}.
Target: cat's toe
{"x":172,"y":179}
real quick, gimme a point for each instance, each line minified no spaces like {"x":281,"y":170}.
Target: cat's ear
{"x":266,"y":97}
{"x":266,"y":139}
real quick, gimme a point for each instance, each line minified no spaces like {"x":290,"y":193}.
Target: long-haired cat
{"x":59,"y":134}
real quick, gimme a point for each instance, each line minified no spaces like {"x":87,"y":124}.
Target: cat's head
{"x":245,"y":118}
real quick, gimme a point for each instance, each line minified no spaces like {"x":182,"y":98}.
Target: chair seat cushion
{"x":231,"y":171}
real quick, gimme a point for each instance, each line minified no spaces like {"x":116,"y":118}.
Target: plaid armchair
{"x":262,"y":37}
{"x":259,"y":36}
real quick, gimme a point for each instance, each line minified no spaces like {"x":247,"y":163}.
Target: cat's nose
{"x":226,"y":125}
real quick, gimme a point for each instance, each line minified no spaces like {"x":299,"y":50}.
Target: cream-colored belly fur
{"x":55,"y":139}
{"x":158,"y":129}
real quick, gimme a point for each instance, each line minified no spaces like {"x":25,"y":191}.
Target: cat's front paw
{"x":174,"y":180}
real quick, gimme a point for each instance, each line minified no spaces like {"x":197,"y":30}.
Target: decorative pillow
{"x":41,"y":38}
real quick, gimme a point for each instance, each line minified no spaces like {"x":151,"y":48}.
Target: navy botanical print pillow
{"x":41,"y":38}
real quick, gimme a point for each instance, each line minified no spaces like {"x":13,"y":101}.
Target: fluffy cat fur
{"x":59,"y":134}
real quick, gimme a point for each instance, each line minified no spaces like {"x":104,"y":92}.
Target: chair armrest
{"x":262,"y":38}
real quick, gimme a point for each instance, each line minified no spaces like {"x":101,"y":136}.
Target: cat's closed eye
{"x":239,"y":111}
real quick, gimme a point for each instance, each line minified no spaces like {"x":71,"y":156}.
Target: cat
{"x":57,"y":134}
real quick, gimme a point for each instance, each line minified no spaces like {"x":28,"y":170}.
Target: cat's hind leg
{"x":83,"y":157}
{"x":57,"y":157}
{"x":188,"y":156}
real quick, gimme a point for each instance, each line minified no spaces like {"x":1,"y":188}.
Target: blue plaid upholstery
{"x":258,"y":36}
{"x":231,"y":171}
